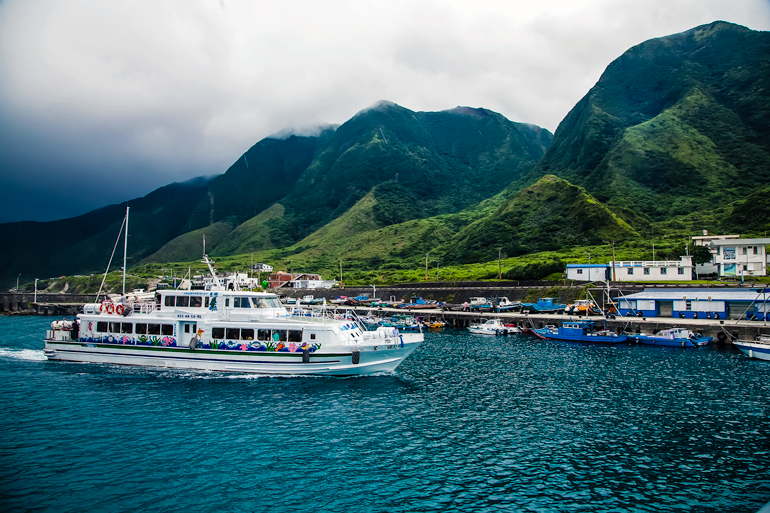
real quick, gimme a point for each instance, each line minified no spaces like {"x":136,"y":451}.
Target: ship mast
{"x":125,"y":252}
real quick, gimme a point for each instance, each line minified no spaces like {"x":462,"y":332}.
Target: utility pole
{"x":426,"y":265}
{"x":499,"y":263}
{"x":341,"y":286}
{"x":613,"y":260}
{"x":36,"y":280}
{"x":653,"y":252}
{"x":19,"y":276}
{"x":437,"y":268}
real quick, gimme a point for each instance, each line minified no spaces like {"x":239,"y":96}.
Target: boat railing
{"x":144,"y":307}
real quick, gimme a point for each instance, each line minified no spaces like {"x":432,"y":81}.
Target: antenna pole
{"x":125,"y":252}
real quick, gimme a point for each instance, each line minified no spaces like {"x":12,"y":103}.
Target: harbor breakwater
{"x":25,"y":303}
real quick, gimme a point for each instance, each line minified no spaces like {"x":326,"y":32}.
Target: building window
{"x":745,"y":267}
{"x":630,"y":271}
{"x":580,"y":271}
{"x":646,"y":270}
{"x":745,"y":250}
{"x":756,"y":250}
{"x":680,"y":270}
{"x":663,"y":270}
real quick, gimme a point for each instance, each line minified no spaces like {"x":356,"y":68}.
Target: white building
{"x":650,"y":270}
{"x":263,"y":268}
{"x":653,"y":270}
{"x":740,"y":257}
{"x":588,"y":272}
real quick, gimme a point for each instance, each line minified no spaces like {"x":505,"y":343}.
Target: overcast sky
{"x":103,"y":101}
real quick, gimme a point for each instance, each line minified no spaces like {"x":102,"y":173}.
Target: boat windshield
{"x":266,"y":302}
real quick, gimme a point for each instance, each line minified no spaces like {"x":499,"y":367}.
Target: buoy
{"x":356,"y":357}
{"x":194,"y":343}
{"x":119,"y":309}
{"x":306,"y":355}
{"x":110,"y":308}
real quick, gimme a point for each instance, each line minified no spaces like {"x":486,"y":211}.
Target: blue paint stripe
{"x":185,"y":358}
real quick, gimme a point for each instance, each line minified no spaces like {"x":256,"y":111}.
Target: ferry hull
{"x":756,"y":350}
{"x":384,"y":358}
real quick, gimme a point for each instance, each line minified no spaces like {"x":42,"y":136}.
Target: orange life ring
{"x":110,"y":308}
{"x":101,"y":307}
{"x":119,"y":309}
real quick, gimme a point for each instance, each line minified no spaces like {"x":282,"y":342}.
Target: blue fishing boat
{"x":402,"y":322}
{"x":674,"y":337}
{"x":580,"y":331}
{"x":543,"y":305}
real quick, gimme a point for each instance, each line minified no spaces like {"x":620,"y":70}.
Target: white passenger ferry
{"x":225,"y":330}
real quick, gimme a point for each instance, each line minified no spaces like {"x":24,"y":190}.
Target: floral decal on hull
{"x":267,"y":346}
{"x":220,"y":345}
{"x":142,"y":340}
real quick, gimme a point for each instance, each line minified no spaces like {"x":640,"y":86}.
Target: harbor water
{"x":467,"y":423}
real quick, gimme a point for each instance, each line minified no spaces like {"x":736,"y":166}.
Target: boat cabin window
{"x":217,"y":333}
{"x":263,"y":335}
{"x":227,"y":301}
{"x":295,"y":335}
{"x":312,"y":336}
{"x":115,"y":327}
{"x":101,"y":327}
{"x":126,"y":327}
{"x":141,"y":329}
{"x":196,"y":302}
{"x":247,"y":334}
{"x":266,"y":302}
{"x":158,"y":329}
{"x":182,"y":301}
{"x":232,"y":333}
{"x":241,"y":302}
{"x":168,"y":301}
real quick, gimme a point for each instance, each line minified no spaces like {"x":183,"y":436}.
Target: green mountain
{"x":675,"y":125}
{"x":406,"y":165}
{"x":83,"y":244}
{"x":551,"y":214}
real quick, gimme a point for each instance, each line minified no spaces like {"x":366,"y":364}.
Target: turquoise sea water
{"x":467,"y":423}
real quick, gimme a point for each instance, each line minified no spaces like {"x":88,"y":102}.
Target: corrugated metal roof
{"x":700,"y":294}
{"x":741,"y":242}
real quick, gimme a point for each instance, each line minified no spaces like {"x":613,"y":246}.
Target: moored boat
{"x":543,"y":305}
{"x":674,"y":337}
{"x":579,"y":331}
{"x":493,"y":327}
{"x":758,"y":348}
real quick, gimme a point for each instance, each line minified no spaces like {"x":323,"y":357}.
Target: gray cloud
{"x":104,"y":101}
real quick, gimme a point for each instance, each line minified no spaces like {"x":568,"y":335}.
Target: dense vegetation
{"x":676,"y":126}
{"x":673,"y":139}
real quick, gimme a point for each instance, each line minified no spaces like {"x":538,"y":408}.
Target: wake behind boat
{"x":225,"y":330}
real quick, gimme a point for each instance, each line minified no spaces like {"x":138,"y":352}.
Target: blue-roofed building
{"x":697,"y":303}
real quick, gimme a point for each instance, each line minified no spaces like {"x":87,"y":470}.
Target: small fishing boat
{"x":758,"y":348}
{"x":674,"y":337}
{"x":580,"y":331}
{"x":503,"y":304}
{"x":543,"y":305}
{"x":401,"y":322}
{"x":492,"y":327}
{"x":582,"y":307}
